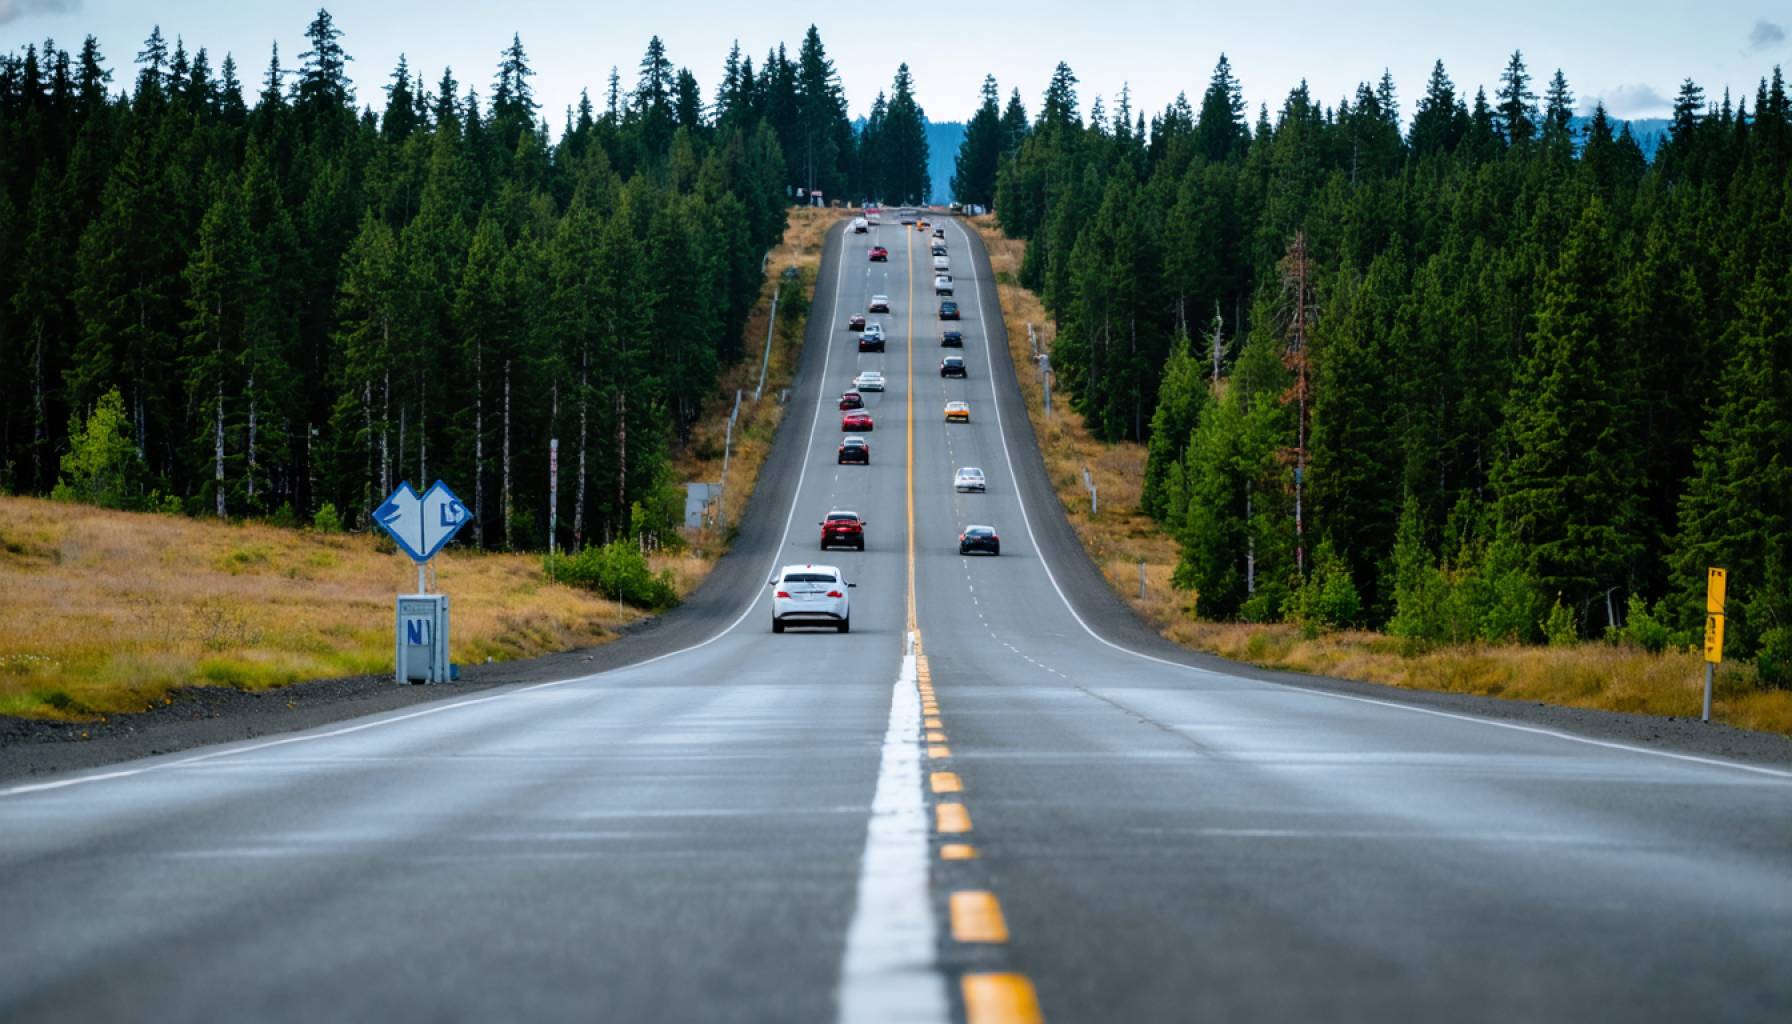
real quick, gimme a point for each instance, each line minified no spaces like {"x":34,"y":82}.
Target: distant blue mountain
{"x":943,"y":140}
{"x":1649,"y":132}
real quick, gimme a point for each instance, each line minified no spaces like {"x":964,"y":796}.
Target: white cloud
{"x":13,"y":10}
{"x":1632,"y":101}
{"x":1765,"y":36}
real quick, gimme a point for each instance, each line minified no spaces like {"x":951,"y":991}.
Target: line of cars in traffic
{"x":818,"y":595}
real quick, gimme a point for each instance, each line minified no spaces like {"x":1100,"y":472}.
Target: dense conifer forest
{"x":241,"y":298}
{"x":1458,"y":368}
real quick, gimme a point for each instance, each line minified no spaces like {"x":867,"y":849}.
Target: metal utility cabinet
{"x":422,"y":655}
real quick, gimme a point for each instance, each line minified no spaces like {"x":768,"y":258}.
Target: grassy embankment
{"x":1119,"y":537}
{"x":105,"y":612}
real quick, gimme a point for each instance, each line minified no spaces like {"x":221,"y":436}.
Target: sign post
{"x":421,"y":524}
{"x":1715,"y":581}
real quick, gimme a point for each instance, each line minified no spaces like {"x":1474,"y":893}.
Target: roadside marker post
{"x":1716,"y":581}
{"x":421,"y":524}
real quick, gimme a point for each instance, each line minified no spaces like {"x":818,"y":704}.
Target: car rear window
{"x":846,"y":518}
{"x":978,"y":531}
{"x":810,"y":577}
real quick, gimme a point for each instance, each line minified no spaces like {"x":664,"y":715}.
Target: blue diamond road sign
{"x":422,"y":523}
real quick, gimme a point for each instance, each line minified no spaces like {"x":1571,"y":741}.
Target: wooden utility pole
{"x":1298,"y":287}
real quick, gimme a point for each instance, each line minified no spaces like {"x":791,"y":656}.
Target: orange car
{"x":958,"y":412}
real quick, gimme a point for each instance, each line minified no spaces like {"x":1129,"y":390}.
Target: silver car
{"x":811,"y":595}
{"x":970,"y":478}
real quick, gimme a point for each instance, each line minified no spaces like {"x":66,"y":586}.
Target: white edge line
{"x":789,"y":520}
{"x":1027,"y":520}
{"x":889,"y":968}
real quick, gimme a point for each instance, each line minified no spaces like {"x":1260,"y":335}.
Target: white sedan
{"x":878,"y":304}
{"x":870,"y":380}
{"x":970,"y":478}
{"x":811,"y":595}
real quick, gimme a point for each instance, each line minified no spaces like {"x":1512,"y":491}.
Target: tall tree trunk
{"x":505,"y":500}
{"x":367,"y":494}
{"x":479,"y":446}
{"x":423,"y":431}
{"x":41,"y":430}
{"x":578,"y":507}
{"x":621,"y":455}
{"x":386,"y":436}
{"x":250,"y":479}
{"x":218,"y":449}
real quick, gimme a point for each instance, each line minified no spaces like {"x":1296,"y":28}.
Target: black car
{"x":952,"y":339}
{"x":871,"y":343}
{"x":979,"y":538}
{"x":855,"y":449}
{"x":952,"y":366}
{"x":948,"y":310}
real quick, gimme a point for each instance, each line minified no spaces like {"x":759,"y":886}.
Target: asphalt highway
{"x":998,"y":796}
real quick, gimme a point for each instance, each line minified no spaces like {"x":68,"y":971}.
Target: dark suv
{"x":948,"y":310}
{"x":843,"y":529}
{"x":952,"y":339}
{"x":952,"y":366}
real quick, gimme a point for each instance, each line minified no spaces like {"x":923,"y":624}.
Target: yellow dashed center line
{"x":977,"y":917}
{"x":958,"y":851}
{"x":1000,"y":999}
{"x":951,"y":819}
{"x":932,"y":723}
{"x":947,"y":782}
{"x":939,"y":752}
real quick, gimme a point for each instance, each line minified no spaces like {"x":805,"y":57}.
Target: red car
{"x":855,"y":322}
{"x":851,"y":399}
{"x":858,"y":419}
{"x":879,"y":254}
{"x":843,"y":529}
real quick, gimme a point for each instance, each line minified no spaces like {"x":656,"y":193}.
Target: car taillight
{"x":784,"y":594}
{"x":835,"y":593}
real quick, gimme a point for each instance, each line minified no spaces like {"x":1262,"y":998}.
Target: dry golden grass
{"x":701,"y":459}
{"x":104,"y":612}
{"x":1119,"y":537}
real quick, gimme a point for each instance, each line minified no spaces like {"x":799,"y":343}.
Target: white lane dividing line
{"x":796,"y":496}
{"x":1027,"y":521}
{"x":890,"y":970}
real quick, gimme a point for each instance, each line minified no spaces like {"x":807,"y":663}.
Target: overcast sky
{"x":1633,"y":55}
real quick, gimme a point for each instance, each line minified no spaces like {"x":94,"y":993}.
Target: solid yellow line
{"x":932,"y":723}
{"x":977,"y":917}
{"x":947,"y":782}
{"x":951,"y":819}
{"x":1000,"y":999}
{"x":958,"y":851}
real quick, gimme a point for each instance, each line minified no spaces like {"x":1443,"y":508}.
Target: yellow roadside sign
{"x":1715,"y":579}
{"x":1714,"y":638}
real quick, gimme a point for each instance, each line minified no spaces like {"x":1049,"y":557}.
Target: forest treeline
{"x":253,"y":300}
{"x":1478,"y":375}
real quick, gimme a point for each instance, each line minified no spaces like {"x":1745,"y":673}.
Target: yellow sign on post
{"x":1714,"y":591}
{"x":1714,"y":638}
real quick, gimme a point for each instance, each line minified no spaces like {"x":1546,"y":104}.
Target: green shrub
{"x":1558,"y":627}
{"x":616,"y":570}
{"x":1328,"y":599}
{"x":327,"y":520}
{"x":284,"y":516}
{"x":1643,"y":628}
{"x":1774,"y":662}
{"x":102,"y":466}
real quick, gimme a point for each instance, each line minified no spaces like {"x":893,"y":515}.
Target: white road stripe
{"x":890,"y":971}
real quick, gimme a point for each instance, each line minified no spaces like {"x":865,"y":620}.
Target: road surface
{"x":997,"y":795}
